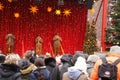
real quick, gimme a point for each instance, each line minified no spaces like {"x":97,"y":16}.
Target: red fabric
{"x":46,"y":24}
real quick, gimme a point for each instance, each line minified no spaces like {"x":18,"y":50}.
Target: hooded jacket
{"x":9,"y":72}
{"x":53,"y":68}
{"x":26,"y":68}
{"x":42,"y":70}
{"x":77,"y":72}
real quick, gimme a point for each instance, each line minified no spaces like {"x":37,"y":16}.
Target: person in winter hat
{"x":111,"y":56}
{"x":78,"y":71}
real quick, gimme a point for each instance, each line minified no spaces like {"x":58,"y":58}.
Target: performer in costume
{"x":39,"y":42}
{"x":9,"y":43}
{"x":57,"y":44}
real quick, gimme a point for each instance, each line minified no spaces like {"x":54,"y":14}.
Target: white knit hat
{"x":115,"y":49}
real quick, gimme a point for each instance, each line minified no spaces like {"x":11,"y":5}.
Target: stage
{"x":16,"y":17}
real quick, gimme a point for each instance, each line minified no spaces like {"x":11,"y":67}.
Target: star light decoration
{"x":1,"y":6}
{"x":67,"y":12}
{"x":57,"y":12}
{"x":33,"y":9}
{"x":10,"y":1}
{"x":16,"y":15}
{"x":49,"y":9}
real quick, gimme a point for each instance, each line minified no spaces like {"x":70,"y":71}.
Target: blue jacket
{"x":35,"y":74}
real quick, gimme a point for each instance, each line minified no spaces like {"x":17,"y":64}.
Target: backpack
{"x":107,"y":71}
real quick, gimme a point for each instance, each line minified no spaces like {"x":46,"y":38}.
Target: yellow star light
{"x":33,"y":9}
{"x":67,"y":12}
{"x":58,"y":12}
{"x":1,"y":6}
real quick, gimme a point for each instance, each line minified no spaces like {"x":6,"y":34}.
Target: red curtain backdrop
{"x":46,"y":24}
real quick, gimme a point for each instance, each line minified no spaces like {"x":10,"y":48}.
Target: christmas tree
{"x":113,"y":28}
{"x":90,"y":43}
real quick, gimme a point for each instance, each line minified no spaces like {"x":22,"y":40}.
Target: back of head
{"x":115,"y":49}
{"x":28,"y":54}
{"x":39,"y":62}
{"x":12,"y":59}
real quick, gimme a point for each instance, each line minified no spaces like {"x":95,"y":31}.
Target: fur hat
{"x":115,"y":49}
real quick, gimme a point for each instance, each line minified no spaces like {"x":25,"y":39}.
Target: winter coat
{"x":9,"y":72}
{"x":35,"y":74}
{"x":27,"y":71}
{"x":66,"y":62}
{"x":26,"y":68}
{"x":111,"y":57}
{"x":53,"y":68}
{"x":90,"y":66}
{"x":64,"y":68}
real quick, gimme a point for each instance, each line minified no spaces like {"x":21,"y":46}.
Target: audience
{"x":79,"y":66}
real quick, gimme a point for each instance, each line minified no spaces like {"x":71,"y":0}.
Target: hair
{"x":12,"y":59}
{"x":39,"y":62}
